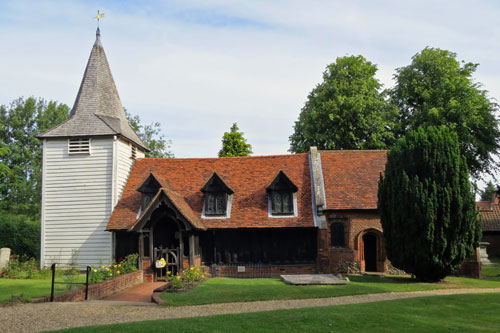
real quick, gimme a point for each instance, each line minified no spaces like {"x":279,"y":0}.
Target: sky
{"x":196,"y":67}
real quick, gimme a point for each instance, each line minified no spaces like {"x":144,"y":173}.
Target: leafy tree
{"x":435,"y":89}
{"x":488,"y":192}
{"x":151,"y":135}
{"x":21,"y":154}
{"x":426,"y":206}
{"x":234,"y":144}
{"x":346,"y":111}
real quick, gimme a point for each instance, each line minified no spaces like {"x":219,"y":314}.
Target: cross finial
{"x":98,"y":17}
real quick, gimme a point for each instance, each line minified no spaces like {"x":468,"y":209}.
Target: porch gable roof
{"x":177,"y":202}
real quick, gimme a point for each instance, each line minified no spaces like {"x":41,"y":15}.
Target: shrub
{"x":20,"y":268}
{"x":20,"y":233}
{"x":175,"y":281}
{"x":190,"y":275}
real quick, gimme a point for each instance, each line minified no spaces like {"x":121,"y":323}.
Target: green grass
{"x":223,"y":290}
{"x":31,"y":288}
{"x":491,"y":272}
{"x":456,"y":313}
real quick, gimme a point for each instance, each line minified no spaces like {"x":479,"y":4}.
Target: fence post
{"x":87,"y":284}
{"x":53,"y":269}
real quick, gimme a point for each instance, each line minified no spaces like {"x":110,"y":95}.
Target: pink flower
{"x":3,"y":273}
{"x":34,"y":268}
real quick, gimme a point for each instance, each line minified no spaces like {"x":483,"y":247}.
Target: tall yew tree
{"x":426,"y":206}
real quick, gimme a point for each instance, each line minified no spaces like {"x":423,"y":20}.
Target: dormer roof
{"x":98,"y":110}
{"x":216,"y":184}
{"x":282,"y":183}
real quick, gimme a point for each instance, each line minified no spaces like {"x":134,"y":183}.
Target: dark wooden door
{"x":370,"y":252}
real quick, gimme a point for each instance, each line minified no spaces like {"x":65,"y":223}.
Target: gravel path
{"x":47,"y":316}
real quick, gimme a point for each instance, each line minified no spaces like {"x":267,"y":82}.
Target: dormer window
{"x":79,"y":146}
{"x":215,"y":204}
{"x":281,"y":203}
{"x":217,"y":198}
{"x":148,"y":190}
{"x":282,"y":199}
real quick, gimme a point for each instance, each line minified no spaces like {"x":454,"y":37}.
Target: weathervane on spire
{"x":98,"y":17}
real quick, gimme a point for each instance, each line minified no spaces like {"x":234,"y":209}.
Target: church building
{"x":102,"y":199}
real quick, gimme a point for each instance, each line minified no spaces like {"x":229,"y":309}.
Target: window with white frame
{"x":281,"y":193}
{"x":216,"y":198}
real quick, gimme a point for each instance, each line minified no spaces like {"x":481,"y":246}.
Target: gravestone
{"x":4,"y":257}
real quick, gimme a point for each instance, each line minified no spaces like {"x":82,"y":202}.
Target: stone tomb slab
{"x":314,"y":279}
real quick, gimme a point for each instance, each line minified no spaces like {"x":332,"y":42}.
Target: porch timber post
{"x":151,"y":252}
{"x":191,"y":250}
{"x":181,"y":251}
{"x":141,"y":249}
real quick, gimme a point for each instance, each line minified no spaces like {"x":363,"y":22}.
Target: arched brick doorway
{"x":371,"y":253}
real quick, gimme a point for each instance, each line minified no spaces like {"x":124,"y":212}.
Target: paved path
{"x":52,"y":316}
{"x":139,"y":293}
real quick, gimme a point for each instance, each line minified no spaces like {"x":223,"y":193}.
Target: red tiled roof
{"x":248,"y":177}
{"x":490,"y":215}
{"x":351,"y":177}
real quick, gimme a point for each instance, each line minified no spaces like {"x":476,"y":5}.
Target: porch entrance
{"x":172,"y":259}
{"x":370,"y":252}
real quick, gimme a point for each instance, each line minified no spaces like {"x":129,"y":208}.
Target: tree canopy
{"x":435,"y":89}
{"x":426,"y":206}
{"x":151,"y":135}
{"x":21,"y":153}
{"x":234,"y":144}
{"x":488,"y":192}
{"x":346,"y":111}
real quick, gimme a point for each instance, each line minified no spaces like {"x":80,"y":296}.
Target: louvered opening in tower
{"x":79,"y":146}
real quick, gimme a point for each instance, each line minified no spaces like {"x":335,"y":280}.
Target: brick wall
{"x":472,"y":266}
{"x":263,"y":270}
{"x":99,"y":290}
{"x":356,"y":224}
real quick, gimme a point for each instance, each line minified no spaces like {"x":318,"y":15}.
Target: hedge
{"x":20,"y":234}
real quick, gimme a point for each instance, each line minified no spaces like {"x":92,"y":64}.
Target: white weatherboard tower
{"x":86,"y":162}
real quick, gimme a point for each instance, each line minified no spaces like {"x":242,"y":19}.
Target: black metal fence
{"x":86,"y":284}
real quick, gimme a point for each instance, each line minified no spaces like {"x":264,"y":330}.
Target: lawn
{"x":491,"y":272}
{"x":31,"y":288}
{"x":458,"y":313}
{"x":223,"y":290}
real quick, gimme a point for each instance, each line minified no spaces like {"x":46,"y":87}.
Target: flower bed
{"x":24,"y":267}
{"x":106,"y":272}
{"x":186,"y":280}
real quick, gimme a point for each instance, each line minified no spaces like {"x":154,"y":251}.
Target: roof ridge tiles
{"x":219,"y":158}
